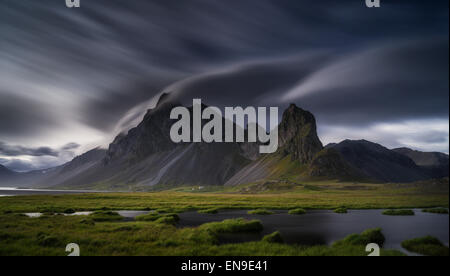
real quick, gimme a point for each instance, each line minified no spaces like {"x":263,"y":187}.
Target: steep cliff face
{"x":146,"y":156}
{"x":298,"y":144}
{"x":298,"y":135}
{"x":152,"y":135}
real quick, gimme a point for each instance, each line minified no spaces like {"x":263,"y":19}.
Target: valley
{"x":191,"y":232}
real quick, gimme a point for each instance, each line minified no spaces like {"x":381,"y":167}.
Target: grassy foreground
{"x":105,"y":233}
{"x":326,"y":195}
{"x":49,"y":234}
{"x":428,"y":246}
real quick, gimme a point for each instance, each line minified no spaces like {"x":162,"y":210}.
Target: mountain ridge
{"x":146,"y":158}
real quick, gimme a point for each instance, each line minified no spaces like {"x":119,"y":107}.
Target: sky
{"x":72,"y":79}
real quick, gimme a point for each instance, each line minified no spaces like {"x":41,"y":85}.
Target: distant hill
{"x":350,"y":160}
{"x":379,"y":163}
{"x":57,"y":175}
{"x":435,"y":164}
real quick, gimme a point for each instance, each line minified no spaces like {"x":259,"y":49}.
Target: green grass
{"x":167,"y":218}
{"x":436,"y":210}
{"x":392,"y":212}
{"x":366,"y":237}
{"x":326,"y":195}
{"x":233,"y":226}
{"x":172,"y":220}
{"x":48,"y":236}
{"x":341,"y":210}
{"x":260,"y":212}
{"x":101,"y":216}
{"x":106,"y":233}
{"x":297,"y":211}
{"x":275,"y":237}
{"x":209,"y":211}
{"x":429,"y":246}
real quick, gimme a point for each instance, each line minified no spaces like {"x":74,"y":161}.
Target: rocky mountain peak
{"x":150,"y":136}
{"x":298,"y":134}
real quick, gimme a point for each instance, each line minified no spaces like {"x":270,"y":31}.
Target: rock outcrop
{"x":298,"y":135}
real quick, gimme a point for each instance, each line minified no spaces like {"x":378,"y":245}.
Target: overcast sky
{"x":71,"y":79}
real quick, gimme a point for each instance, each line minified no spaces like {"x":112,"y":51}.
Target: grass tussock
{"x":275,"y":237}
{"x":297,"y":211}
{"x":209,"y":211}
{"x":369,"y":236}
{"x":102,"y":216}
{"x":262,"y":212}
{"x":233,"y":226}
{"x":166,"y":218}
{"x":393,"y":212}
{"x":429,"y":246}
{"x":442,"y":211}
{"x":341,"y":210}
{"x":47,"y":240}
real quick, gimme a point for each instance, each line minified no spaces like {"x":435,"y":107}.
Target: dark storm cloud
{"x":20,"y":116}
{"x":70,"y":146}
{"x":87,"y":67}
{"x":404,"y":80}
{"x":400,"y":81}
{"x":11,"y":150}
{"x":111,"y":44}
{"x":104,"y":112}
{"x":249,"y":83}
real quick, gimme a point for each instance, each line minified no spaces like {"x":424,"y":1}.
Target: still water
{"x":325,"y":227}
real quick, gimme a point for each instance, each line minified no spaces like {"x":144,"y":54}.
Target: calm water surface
{"x":325,"y":227}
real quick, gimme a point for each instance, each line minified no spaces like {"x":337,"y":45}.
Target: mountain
{"x":146,"y":158}
{"x":298,"y":134}
{"x":379,"y":163}
{"x":74,"y":170}
{"x":298,"y":145}
{"x":435,"y":164}
{"x":330,"y":164}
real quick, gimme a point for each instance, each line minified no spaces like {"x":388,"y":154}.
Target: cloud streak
{"x":10,"y":150}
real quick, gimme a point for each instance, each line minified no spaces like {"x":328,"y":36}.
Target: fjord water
{"x":324,"y":227}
